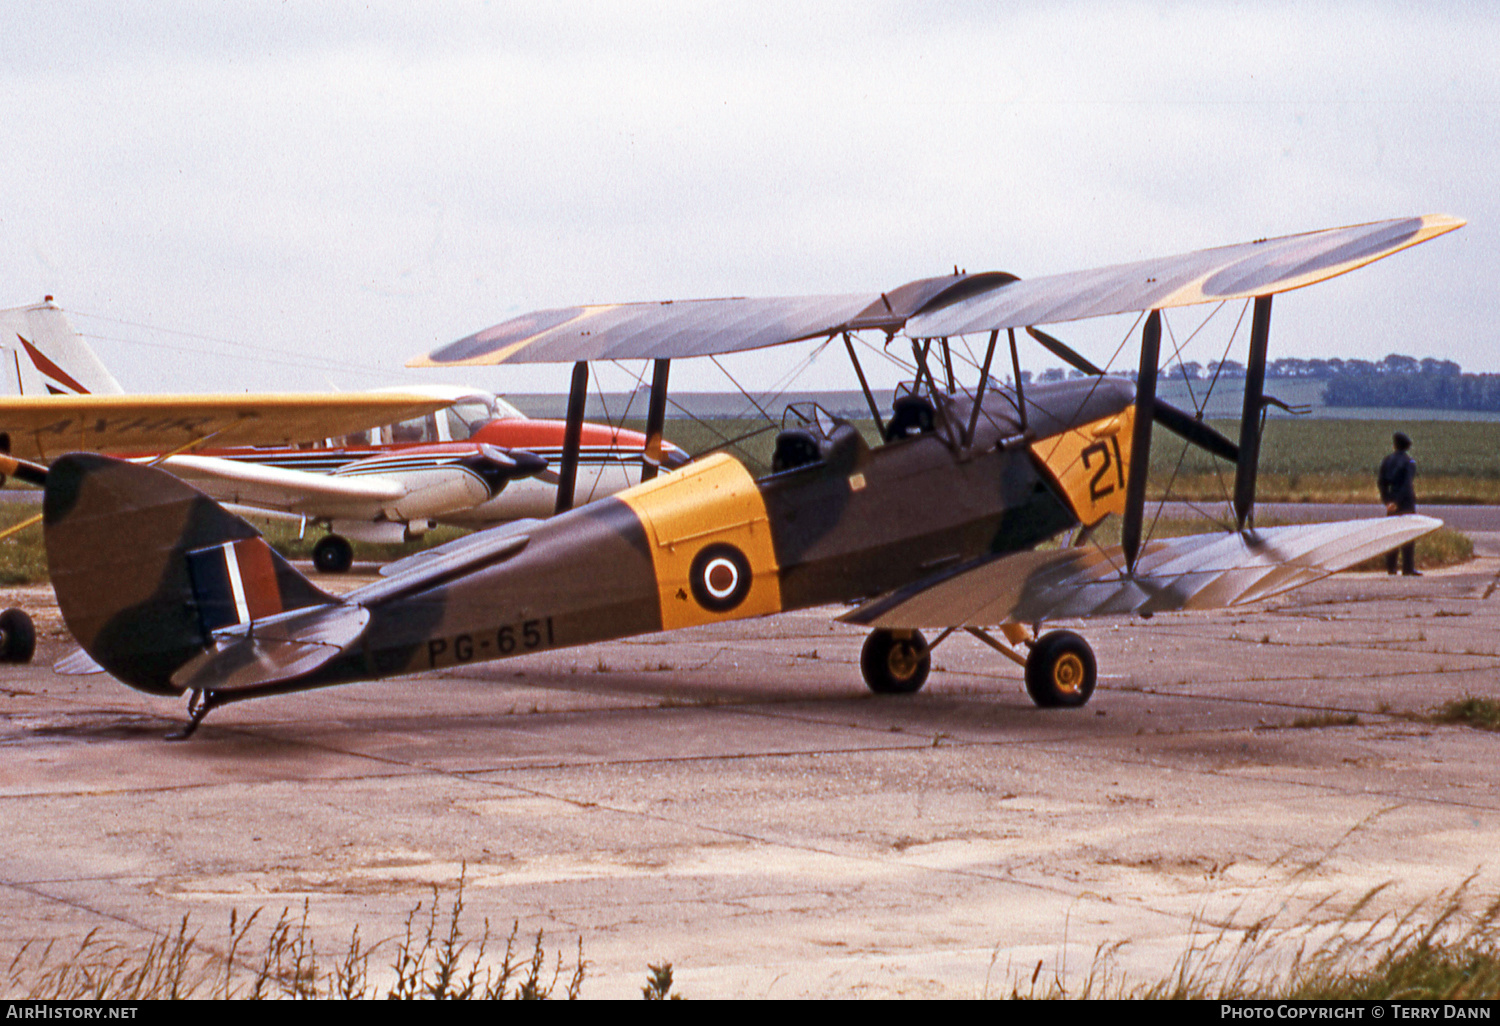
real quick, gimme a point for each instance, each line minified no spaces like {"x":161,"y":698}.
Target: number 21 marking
{"x":1099,"y":488}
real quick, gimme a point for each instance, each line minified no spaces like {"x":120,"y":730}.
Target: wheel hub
{"x":903,"y":661}
{"x":1068,"y":673}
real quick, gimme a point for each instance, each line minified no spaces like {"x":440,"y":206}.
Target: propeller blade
{"x":22,"y":470}
{"x":1186,"y":426}
{"x":1177,"y":421}
{"x":1060,"y":350}
{"x":517,"y":463}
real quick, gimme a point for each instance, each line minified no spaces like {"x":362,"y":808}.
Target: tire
{"x":17,"y":637}
{"x":1060,"y":671}
{"x":333,"y":555}
{"x":895,"y":665}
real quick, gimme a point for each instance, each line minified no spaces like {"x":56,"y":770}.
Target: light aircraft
{"x":937,"y":527}
{"x":56,"y":397}
{"x":472,"y":460}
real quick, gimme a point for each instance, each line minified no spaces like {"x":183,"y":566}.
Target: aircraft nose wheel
{"x":333,"y":554}
{"x":895,"y":662}
{"x":1060,"y":671}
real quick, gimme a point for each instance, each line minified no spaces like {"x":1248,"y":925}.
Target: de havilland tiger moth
{"x":937,"y":527}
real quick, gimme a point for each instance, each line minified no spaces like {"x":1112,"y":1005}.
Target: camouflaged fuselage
{"x":169,"y":592}
{"x":709,"y":543}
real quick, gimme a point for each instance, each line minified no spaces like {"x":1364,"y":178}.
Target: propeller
{"x":498,"y":467}
{"x":517,"y":463}
{"x":22,"y":470}
{"x":1174,"y":419}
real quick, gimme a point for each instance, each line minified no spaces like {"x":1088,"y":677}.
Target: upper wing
{"x":1197,"y":572}
{"x":1259,"y":268}
{"x":697,"y":327}
{"x":649,"y":330}
{"x":42,"y":427}
{"x":935,"y":307}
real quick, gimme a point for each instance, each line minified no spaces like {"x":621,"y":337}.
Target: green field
{"x":1335,"y":461}
{"x":1302,"y":460}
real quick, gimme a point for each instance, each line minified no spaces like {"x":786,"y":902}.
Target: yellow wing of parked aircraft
{"x":71,"y":404}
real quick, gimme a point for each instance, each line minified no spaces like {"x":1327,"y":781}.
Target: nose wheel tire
{"x":17,"y":637}
{"x":333,"y":554}
{"x":895,"y":663}
{"x":1060,"y":671}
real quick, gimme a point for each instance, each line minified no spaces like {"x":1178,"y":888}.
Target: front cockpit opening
{"x":812,"y":437}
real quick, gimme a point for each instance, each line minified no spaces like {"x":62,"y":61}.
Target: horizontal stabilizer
{"x":445,"y":562}
{"x":76,"y":663}
{"x":274,"y":649}
{"x":1203,"y":571}
{"x":473,"y":544}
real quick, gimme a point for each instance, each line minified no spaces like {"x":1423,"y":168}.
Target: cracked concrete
{"x":732,"y":800}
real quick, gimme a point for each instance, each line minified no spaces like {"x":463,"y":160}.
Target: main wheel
{"x":333,"y":554}
{"x":17,"y":637}
{"x":895,"y":663}
{"x":1060,"y":670}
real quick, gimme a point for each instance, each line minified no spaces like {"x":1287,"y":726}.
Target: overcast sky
{"x":258,"y":195}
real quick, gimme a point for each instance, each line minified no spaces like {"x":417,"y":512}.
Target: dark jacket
{"x":1397,"y":481}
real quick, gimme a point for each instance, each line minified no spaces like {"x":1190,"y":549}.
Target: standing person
{"x":1397,"y":481}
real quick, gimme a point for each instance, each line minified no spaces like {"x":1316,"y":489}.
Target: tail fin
{"x":43,"y":355}
{"x":146,"y":568}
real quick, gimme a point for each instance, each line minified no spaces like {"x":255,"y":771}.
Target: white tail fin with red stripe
{"x":41,"y":354}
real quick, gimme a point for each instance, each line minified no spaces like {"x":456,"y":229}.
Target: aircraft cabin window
{"x":466,"y":418}
{"x":502,"y":410}
{"x":416,"y":430}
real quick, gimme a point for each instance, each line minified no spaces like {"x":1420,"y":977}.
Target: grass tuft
{"x":1435,"y":951}
{"x":659,"y":984}
{"x":436,"y":958}
{"x":1481,"y":713}
{"x":1326,"y":720}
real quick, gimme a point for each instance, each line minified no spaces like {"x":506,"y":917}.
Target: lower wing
{"x":1205,"y":571}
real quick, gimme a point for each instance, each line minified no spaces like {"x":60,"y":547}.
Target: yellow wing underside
{"x":44,"y":427}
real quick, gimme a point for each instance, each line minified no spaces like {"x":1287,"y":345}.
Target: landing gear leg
{"x":199,"y":704}
{"x":1060,"y":669}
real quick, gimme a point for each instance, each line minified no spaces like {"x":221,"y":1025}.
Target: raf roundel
{"x":720,"y":577}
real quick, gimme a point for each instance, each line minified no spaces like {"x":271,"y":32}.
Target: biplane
{"x":938,"y":526}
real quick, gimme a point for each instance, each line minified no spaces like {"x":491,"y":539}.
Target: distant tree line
{"x":1398,"y":380}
